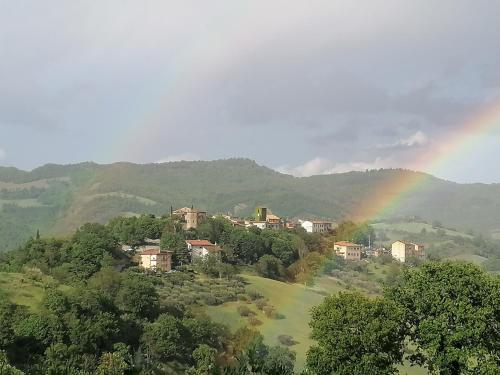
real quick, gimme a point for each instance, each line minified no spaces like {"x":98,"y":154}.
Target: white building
{"x":259,"y":224}
{"x":317,"y":226}
{"x":201,"y":248}
{"x":348,"y":250}
{"x":402,"y":251}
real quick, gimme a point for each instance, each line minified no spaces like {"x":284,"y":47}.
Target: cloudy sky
{"x":304,"y":87}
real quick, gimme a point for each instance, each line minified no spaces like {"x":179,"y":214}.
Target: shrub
{"x":261,"y":303}
{"x":286,"y":340}
{"x":244,"y":311}
{"x":270,"y":312}
{"x":210,"y":299}
{"x":271,"y":267}
{"x":253,"y":294}
{"x":242,"y":297}
{"x":253,"y":321}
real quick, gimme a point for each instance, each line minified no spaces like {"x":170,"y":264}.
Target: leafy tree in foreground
{"x":165,"y":339}
{"x":204,"y":357}
{"x":452,"y":311}
{"x":279,"y":361}
{"x":138,"y":296}
{"x":356,"y":336}
{"x":112,"y":364}
{"x":6,"y":368}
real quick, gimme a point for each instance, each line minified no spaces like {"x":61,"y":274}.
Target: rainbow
{"x":392,"y":193}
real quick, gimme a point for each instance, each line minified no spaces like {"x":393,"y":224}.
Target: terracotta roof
{"x":272,"y":217}
{"x":154,"y":251}
{"x":200,"y":243}
{"x":321,"y":222}
{"x":347,"y":243}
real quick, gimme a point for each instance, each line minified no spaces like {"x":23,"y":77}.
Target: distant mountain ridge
{"x":59,"y":198}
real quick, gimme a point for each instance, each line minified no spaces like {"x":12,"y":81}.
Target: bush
{"x":270,"y":267}
{"x":286,"y":340}
{"x":244,"y":311}
{"x":270,"y":312}
{"x":261,"y":303}
{"x":253,"y":294}
{"x":210,"y":299}
{"x":242,"y":297}
{"x":253,"y":321}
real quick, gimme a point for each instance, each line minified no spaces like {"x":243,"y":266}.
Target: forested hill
{"x":58,"y":198}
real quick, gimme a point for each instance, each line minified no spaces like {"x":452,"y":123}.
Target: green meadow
{"x":293,"y":302}
{"x":20,"y":289}
{"x":24,"y":290}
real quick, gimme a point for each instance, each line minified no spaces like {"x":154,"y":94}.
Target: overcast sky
{"x":304,"y":87}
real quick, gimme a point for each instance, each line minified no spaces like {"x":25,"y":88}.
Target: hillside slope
{"x":57,"y":198}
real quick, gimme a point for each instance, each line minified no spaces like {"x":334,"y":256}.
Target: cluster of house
{"x":400,"y":250}
{"x":151,"y":257}
{"x":263,"y":218}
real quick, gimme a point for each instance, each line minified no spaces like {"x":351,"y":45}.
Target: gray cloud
{"x":318,"y":85}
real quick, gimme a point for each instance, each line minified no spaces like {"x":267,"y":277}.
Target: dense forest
{"x":58,"y":199}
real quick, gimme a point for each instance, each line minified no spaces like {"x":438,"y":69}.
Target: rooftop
{"x":200,"y":243}
{"x":409,"y":243}
{"x":347,"y":243}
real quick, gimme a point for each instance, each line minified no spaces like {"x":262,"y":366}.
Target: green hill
{"x":59,"y":198}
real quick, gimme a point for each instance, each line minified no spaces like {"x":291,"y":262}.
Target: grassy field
{"x":146,"y":201}
{"x":24,"y":290}
{"x":294,"y":302}
{"x":413,"y":227}
{"x":24,"y":203}
{"x":21,"y":290}
{"x":291,"y":300}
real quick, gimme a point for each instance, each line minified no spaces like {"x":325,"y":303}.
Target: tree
{"x":138,"y":296}
{"x":356,"y":336}
{"x":112,"y":364}
{"x":205,"y":357}
{"x":204,"y":331}
{"x":271,"y":267}
{"x":284,"y":250}
{"x":279,"y":361}
{"x":214,"y":229}
{"x":6,"y":368}
{"x":88,"y":248}
{"x":165,"y":339}
{"x":358,"y":233}
{"x":7,"y":314}
{"x":452,"y":313}
{"x":175,"y":243}
{"x":212,"y":265}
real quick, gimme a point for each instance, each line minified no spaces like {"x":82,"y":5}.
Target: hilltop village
{"x":190,"y":290}
{"x":152,"y":256}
